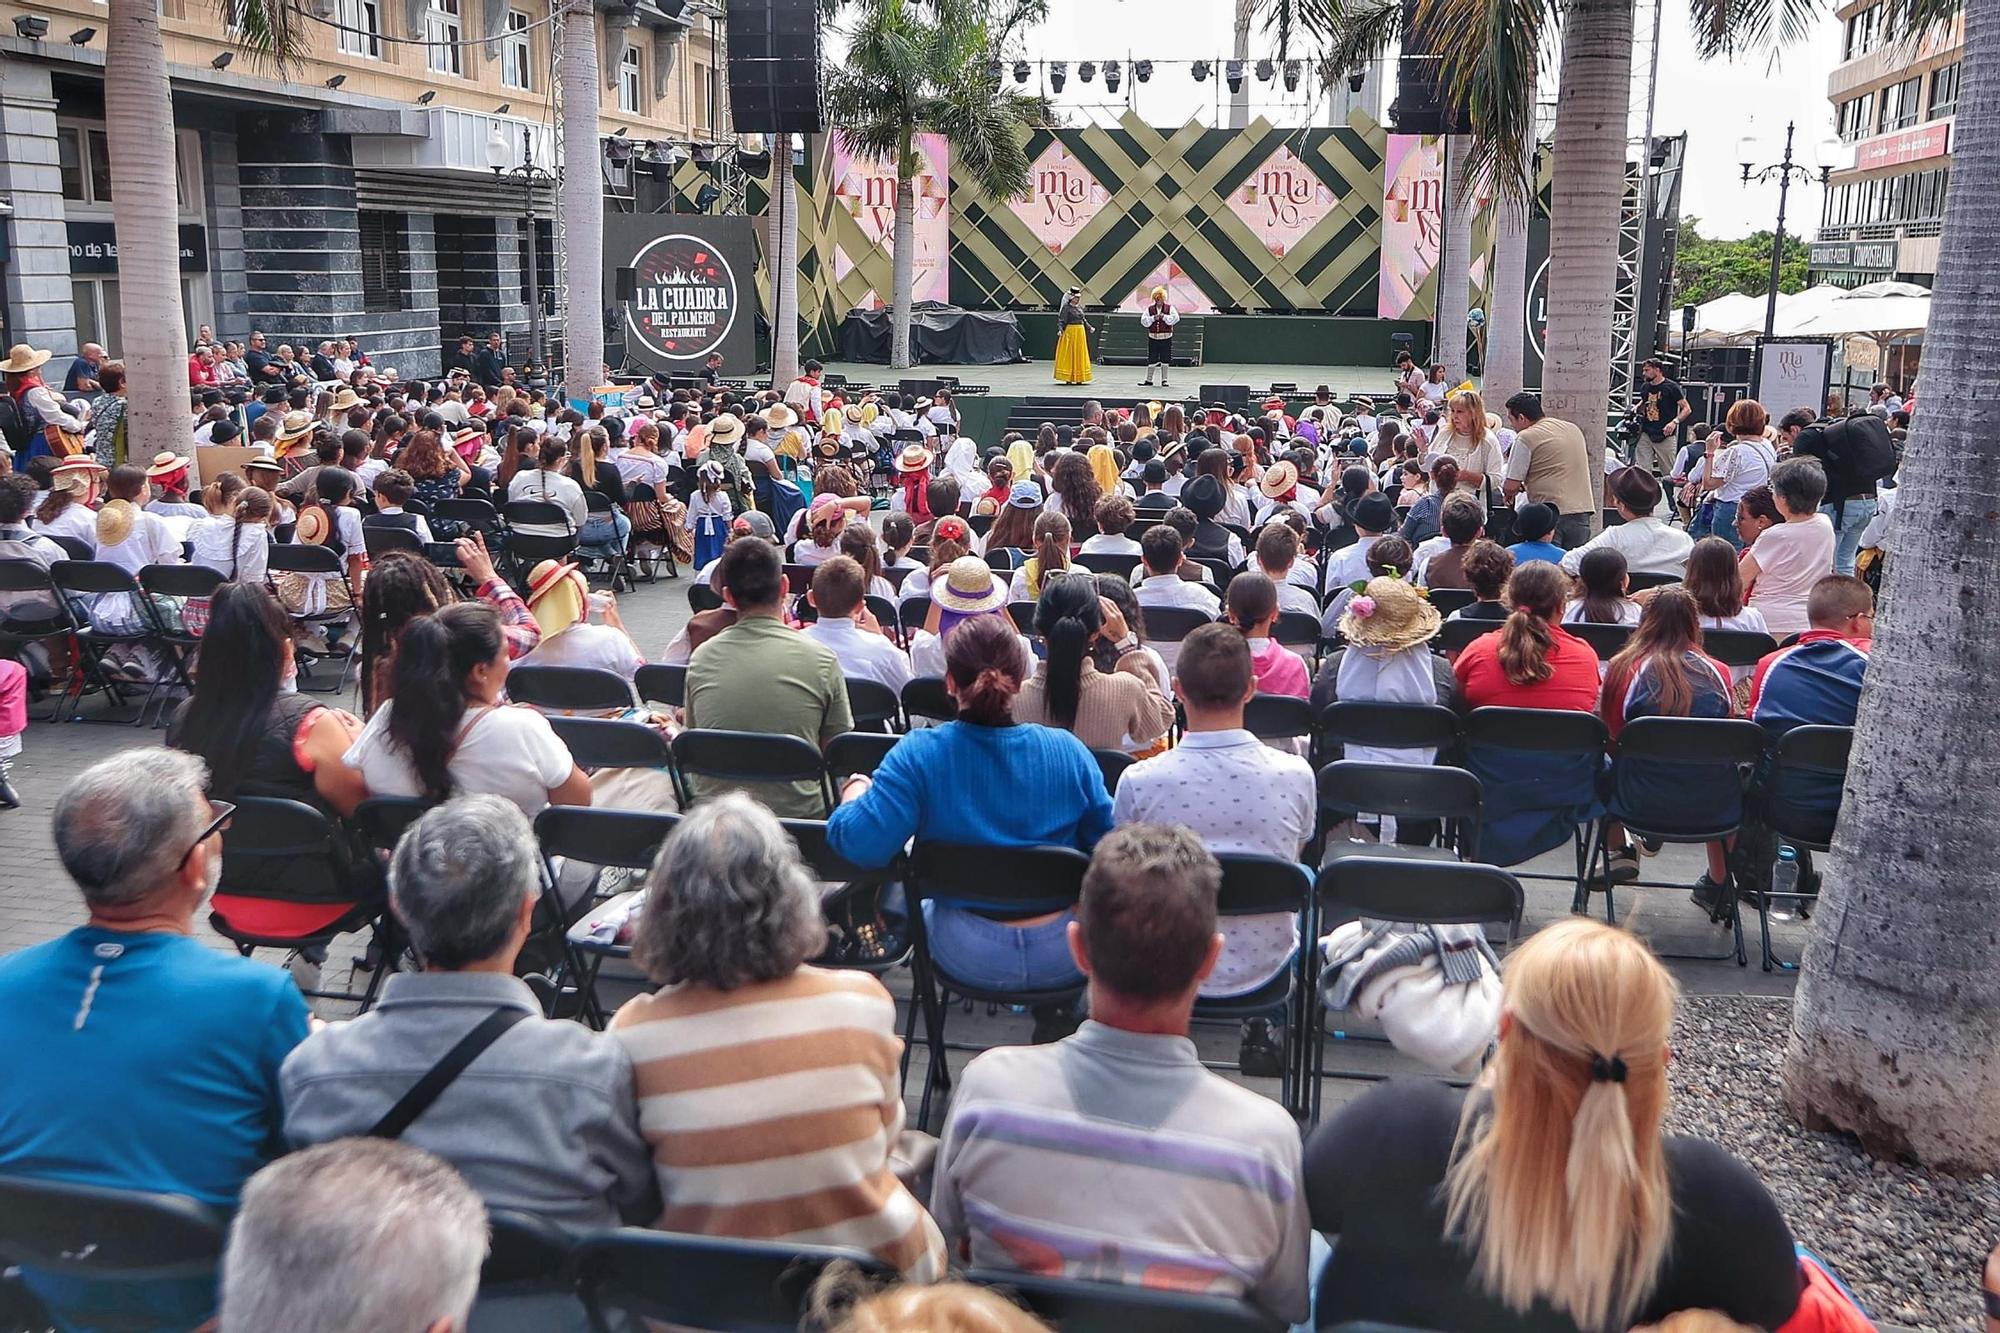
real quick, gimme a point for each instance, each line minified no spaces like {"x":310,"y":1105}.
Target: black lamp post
{"x":498,"y":157}
{"x":1783,"y":172}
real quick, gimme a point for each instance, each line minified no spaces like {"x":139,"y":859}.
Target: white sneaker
{"x":305,"y":972}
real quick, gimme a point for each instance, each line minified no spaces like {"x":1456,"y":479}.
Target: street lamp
{"x":1783,"y":172}
{"x":500,"y":159}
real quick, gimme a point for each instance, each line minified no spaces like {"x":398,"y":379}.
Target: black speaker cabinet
{"x":774,"y":53}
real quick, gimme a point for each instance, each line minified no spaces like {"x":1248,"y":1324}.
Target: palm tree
{"x":139,"y":126}
{"x":781,"y":250}
{"x":1504,"y":365}
{"x":914,"y":69}
{"x":582,"y":201}
{"x":1454,"y":288}
{"x":1896,"y":1026}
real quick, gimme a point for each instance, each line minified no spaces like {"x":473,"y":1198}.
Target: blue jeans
{"x":1715,"y":518}
{"x":997,"y":955}
{"x":605,"y":534}
{"x":1848,"y":520}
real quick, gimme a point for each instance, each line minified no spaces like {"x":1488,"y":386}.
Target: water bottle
{"x":1785,"y":880}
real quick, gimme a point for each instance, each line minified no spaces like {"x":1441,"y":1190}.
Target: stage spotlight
{"x":31,"y":26}
{"x":1200,"y":71}
{"x":1058,"y":75}
{"x":1087,"y":71}
{"x":222,"y":61}
{"x":1142,"y":70}
{"x":82,"y":36}
{"x":1355,"y":78}
{"x":1020,"y":71}
{"x":705,"y":197}
{"x":1291,"y":76}
{"x":1111,"y":76}
{"x":993,"y":68}
{"x":1265,"y":69}
{"x":1233,"y":73}
{"x":426,"y":97}
{"x":336,"y":81}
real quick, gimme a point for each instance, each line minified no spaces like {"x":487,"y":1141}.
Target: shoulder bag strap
{"x":442,"y":1074}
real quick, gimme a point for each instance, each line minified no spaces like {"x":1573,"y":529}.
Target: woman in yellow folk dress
{"x":1073,"y":344}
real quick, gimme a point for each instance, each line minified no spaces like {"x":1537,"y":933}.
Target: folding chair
{"x":854,"y":752}
{"x":1699,"y":757}
{"x":1112,"y":764}
{"x":1011,"y":880}
{"x":1737,"y":647}
{"x":82,"y":583}
{"x":380,"y":822}
{"x":743,"y":758}
{"x":1023,"y":616}
{"x":183,"y":581}
{"x":1077,"y":1306}
{"x":1448,"y":600}
{"x":101,"y":1234}
{"x":980,"y":524}
{"x":1436,"y":893}
{"x":1276,"y":717}
{"x":1005,"y":560}
{"x":886,"y":614}
{"x":1538,"y":760}
{"x":602,"y":742}
{"x":1455,"y":636}
{"x":561,"y":689}
{"x":1808,"y":765}
{"x":25,"y":585}
{"x":1638,"y":582}
{"x":1099,"y":562}
{"x":736,"y":1286}
{"x":702,"y":597}
{"x":289,"y":881}
{"x":526,"y":1255}
{"x":1255,"y":885}
{"x":661,"y":684}
{"x":74,"y":547}
{"x":1607,"y":641}
{"x":527,"y":549}
{"x":873,"y":704}
{"x":1220,"y":571}
{"x":1171,"y":624}
{"x":1450,"y":796}
{"x":925,"y":696}
{"x":798,"y":579}
{"x":473,"y":514}
{"x":381,"y":539}
{"x":1294,"y":629}
{"x":596,"y":503}
{"x":295,"y":558}
{"x":1391,"y":726}
{"x":911,"y":613}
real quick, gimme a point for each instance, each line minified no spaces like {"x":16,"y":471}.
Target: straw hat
{"x":295,"y":426}
{"x":969,"y":588}
{"x":1278,"y":478}
{"x":22,"y":358}
{"x":114,"y":522}
{"x":80,"y":463}
{"x":828,"y":448}
{"x":345,"y":399}
{"x":779,"y":416}
{"x":458,"y":439}
{"x":264,"y":465}
{"x":725,"y":429}
{"x":914,"y":458}
{"x":313,"y":526}
{"x":1389,"y":614}
{"x":557,"y":596}
{"x":166,"y":463}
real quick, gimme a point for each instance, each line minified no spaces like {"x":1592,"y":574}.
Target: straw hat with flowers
{"x":557,"y":596}
{"x":1388,"y":613}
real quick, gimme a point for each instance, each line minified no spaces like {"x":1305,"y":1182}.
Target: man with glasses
{"x":139,"y":1057}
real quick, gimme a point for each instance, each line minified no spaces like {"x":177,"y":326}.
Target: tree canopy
{"x":1705,"y":268}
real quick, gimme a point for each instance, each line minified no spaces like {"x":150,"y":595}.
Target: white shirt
{"x":863,"y":654}
{"x":1350,"y":564}
{"x":1173,"y":590}
{"x":1743,"y":467}
{"x":1648,"y":545}
{"x":1876,"y":534}
{"x":552,"y":488}
{"x":1238,"y":795}
{"x":1628,"y":613}
{"x":507,"y":752}
{"x":150,"y":542}
{"x":251,"y":562}
{"x":1295,"y":596}
{"x":1787,"y":567}
{"x":635,"y":467}
{"x":1110,"y":543}
{"x":78,"y":521}
{"x":605,"y":647}
{"x":370,"y":469}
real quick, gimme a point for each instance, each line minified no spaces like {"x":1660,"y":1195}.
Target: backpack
{"x":15,"y":427}
{"x":1857,"y":452}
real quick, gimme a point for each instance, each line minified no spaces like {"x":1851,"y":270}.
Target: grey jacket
{"x":544,"y":1120}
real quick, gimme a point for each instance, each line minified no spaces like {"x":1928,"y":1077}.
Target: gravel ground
{"x":1909,"y":1242}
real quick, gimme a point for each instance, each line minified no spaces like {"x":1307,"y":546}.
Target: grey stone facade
{"x":39,"y":309}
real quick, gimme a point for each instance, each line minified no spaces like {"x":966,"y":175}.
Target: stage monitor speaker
{"x":1419,"y":106}
{"x":1227,"y":395}
{"x":774,"y":58}
{"x":625,"y":285}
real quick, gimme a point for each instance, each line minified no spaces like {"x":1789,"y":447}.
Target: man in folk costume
{"x":1159,"y":317}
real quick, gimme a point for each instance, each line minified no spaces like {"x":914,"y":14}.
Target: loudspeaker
{"x":1419,"y":107}
{"x":625,"y":284}
{"x":1234,"y":396}
{"x":774,"y":50}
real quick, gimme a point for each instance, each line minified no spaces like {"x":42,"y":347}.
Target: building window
{"x":630,"y":85}
{"x":514,"y":52}
{"x":442,"y":31}
{"x":1900,"y":104}
{"x":384,"y":261}
{"x":360,"y":28}
{"x":1944,"y":92}
{"x":1856,"y":118}
{"x":1863,"y":33}
{"x":84,"y":155}
{"x":705,"y":114}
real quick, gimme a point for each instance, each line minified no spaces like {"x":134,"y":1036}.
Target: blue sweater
{"x":1018,"y":786}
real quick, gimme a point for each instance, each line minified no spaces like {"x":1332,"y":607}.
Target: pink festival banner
{"x":1062,"y":198}
{"x":1412,"y":219}
{"x":866,"y":189}
{"x":1282,"y":201}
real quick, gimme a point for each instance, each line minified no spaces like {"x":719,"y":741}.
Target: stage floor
{"x":1121,"y":384}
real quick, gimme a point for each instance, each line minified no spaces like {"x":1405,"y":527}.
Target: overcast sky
{"x":1712,"y":102}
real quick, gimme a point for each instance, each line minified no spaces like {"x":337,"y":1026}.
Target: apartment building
{"x":353,"y":195}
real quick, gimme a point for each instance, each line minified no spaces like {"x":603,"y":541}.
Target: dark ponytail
{"x":983,"y":658}
{"x":1067,"y":617}
{"x":437,"y":652}
{"x":1535,"y":592}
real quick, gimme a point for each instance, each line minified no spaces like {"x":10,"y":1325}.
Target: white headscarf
{"x":962,"y":462}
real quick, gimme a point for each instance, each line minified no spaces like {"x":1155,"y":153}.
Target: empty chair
{"x":562,"y":689}
{"x":552,"y":535}
{"x":662,"y":684}
{"x":1639,"y":580}
{"x":1444,"y":801}
{"x":925,"y":697}
{"x":1800,"y":802}
{"x":1737,"y":647}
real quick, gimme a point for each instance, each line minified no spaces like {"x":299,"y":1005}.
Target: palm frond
{"x":270,"y":32}
{"x":1357,"y":31}
{"x":1288,"y":20}
{"x":1490,"y":70}
{"x":987,"y":134}
{"x":1728,"y":27}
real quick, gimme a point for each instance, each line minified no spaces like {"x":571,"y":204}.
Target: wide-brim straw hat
{"x":969,"y":588}
{"x":81,"y":463}
{"x":914,"y":458}
{"x":725,"y":429}
{"x":22,"y":358}
{"x":264,"y":465}
{"x":557,"y":595}
{"x":295,"y":426}
{"x":166,"y":463}
{"x":114,"y":522}
{"x":780,"y":417}
{"x":313,"y":526}
{"x":1278,"y":478}
{"x":346,"y":399}
{"x":1389,"y":614}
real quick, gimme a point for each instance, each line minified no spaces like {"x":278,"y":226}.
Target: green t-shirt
{"x":758,"y":675}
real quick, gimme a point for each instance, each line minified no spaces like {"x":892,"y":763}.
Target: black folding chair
{"x":1448,"y":600}
{"x":297,"y":558}
{"x":746,"y":758}
{"x":83,"y":584}
{"x":702,"y":597}
{"x":1274,"y":717}
{"x":25,"y":586}
{"x":528,"y":549}
{"x":1294,"y":629}
{"x":1254,"y":885}
{"x":1455,"y":636}
{"x":380,"y":822}
{"x":563,"y":689}
{"x":597,"y":503}
{"x":603,"y":742}
{"x":925,"y":696}
{"x":1639,"y":582}
{"x":380,"y":539}
{"x":885,"y":613}
{"x":1023,"y":616}
{"x":290,"y":881}
{"x":1393,"y":726}
{"x":1451,"y":797}
{"x":100,"y":1234}
{"x":1378,"y":888}
{"x":1010,"y":880}
{"x":1112,"y":764}
{"x":1098,"y":562}
{"x":526,"y":1255}
{"x":661,"y":684}
{"x":1607,"y":641}
{"x":1077,"y":1306}
{"x":74,"y":547}
{"x":1699,"y":757}
{"x":873,"y":704}
{"x":1565,"y":755}
{"x":1737,"y":647}
{"x":1005,"y":560}
{"x":469,"y":512}
{"x":600,"y":839}
{"x":911,"y":613}
{"x":1808,"y":766}
{"x":736,"y":1286}
{"x":854,"y":752}
{"x":1171,"y":624}
{"x":798,"y":579}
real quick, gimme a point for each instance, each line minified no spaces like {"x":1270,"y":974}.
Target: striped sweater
{"x":771,"y":1111}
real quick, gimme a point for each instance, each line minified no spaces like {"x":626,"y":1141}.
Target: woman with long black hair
{"x":444,"y":731}
{"x":1103,"y":708}
{"x":259,"y":736}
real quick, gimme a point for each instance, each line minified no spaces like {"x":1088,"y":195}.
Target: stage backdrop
{"x":696,"y":288}
{"x":865,"y":189}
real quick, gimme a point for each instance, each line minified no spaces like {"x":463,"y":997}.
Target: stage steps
{"x":1122,"y":341}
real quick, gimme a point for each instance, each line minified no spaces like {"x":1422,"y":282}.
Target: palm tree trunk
{"x":582,"y":201}
{"x":1896,"y":1025}
{"x":1455,"y":273}
{"x":1589,"y":184}
{"x":1507,"y":319}
{"x":905,"y":258}
{"x":781,"y":250}
{"x":1239,"y":101}
{"x":139,"y":121}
